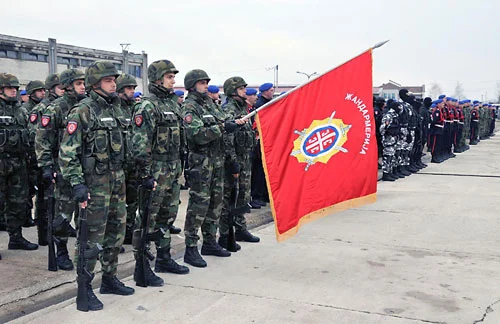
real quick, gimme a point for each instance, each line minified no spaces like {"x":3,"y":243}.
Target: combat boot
{"x":223,"y":241}
{"x":387,"y":177}
{"x":62,"y":259}
{"x":212,"y":248}
{"x":193,"y":257}
{"x":396,"y":173}
{"x":165,"y":263}
{"x":245,"y":236}
{"x":404,"y":171}
{"x":93,"y":302}
{"x":18,"y":242}
{"x":111,"y":285}
{"x":174,"y":230}
{"x":411,"y":168}
{"x":151,"y":279}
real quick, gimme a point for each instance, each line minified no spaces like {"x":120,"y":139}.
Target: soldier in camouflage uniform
{"x":125,"y":86}
{"x":204,"y":128}
{"x":14,"y":140}
{"x":158,"y":140}
{"x":36,"y":93}
{"x":389,"y":130}
{"x":466,"y":130}
{"x":51,"y":126}
{"x":54,"y":91}
{"x":91,"y":158}
{"x":239,"y":148}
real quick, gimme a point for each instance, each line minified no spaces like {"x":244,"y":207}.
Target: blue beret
{"x":22,"y":93}
{"x":433,"y":105}
{"x":441,"y":96}
{"x":437,"y":101}
{"x":449,"y":98}
{"x":213,"y":89}
{"x":251,"y":92}
{"x":265,"y":87}
{"x":179,"y":93}
{"x":137,"y":94}
{"x":476,"y":104}
{"x":475,"y":101}
{"x":461,"y":102}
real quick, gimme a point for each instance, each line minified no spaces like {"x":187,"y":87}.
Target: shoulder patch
{"x":72,"y":127}
{"x":138,"y":119}
{"x":188,"y":118}
{"x":33,"y":117}
{"x":45,"y":120}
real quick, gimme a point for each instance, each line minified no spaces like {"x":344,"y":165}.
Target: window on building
{"x":29,"y":56}
{"x":86,"y":63}
{"x":393,"y":96}
{"x":135,"y":70}
{"x":73,"y":62}
{"x":3,"y":53}
{"x":385,"y":95}
{"x":62,"y":60}
{"x":12,"y":54}
{"x":42,"y":58}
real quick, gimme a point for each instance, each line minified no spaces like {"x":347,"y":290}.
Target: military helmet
{"x":32,"y":86}
{"x":231,"y":84}
{"x":157,"y":69}
{"x":125,"y":80}
{"x":194,"y":76}
{"x":69,"y":76}
{"x":52,"y":80}
{"x":8,"y":80}
{"x":98,"y":70}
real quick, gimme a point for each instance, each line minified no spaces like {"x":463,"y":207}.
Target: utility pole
{"x":125,"y":57}
{"x":52,"y":56}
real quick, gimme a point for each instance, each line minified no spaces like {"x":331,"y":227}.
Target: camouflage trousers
{"x":239,"y":220}
{"x":388,"y":153}
{"x":165,"y":204}
{"x":206,"y":176}
{"x":132,"y":184}
{"x":106,"y":215}
{"x":13,"y":191}
{"x":64,"y":205}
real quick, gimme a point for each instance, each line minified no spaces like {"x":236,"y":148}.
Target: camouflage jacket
{"x":390,"y":123}
{"x":158,"y":134}
{"x":14,"y":138}
{"x":238,"y":145}
{"x":51,"y":124}
{"x":203,"y":124}
{"x":92,"y":143}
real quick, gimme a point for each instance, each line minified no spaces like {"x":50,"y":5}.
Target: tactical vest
{"x":244,"y":137}
{"x":125,"y":123}
{"x":14,"y":134}
{"x":167,"y":133}
{"x":103,"y":141}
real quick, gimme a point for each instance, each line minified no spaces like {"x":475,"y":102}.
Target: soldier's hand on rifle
{"x":81,"y":194}
{"x":149,"y":183}
{"x":47,"y":175}
{"x":235,"y":169}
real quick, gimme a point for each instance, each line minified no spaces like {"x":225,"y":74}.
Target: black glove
{"x":80,"y":193}
{"x":47,"y":174}
{"x":148,"y":183}
{"x":408,"y":138}
{"x":230,"y":126}
{"x":235,"y":168}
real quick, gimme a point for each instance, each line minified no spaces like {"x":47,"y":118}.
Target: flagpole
{"x":304,"y":84}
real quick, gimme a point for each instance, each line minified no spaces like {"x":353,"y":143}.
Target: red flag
{"x":319,"y":148}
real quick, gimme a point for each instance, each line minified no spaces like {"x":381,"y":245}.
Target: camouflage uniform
{"x":238,"y":148}
{"x":466,"y":128}
{"x":131,"y":181}
{"x":157,"y":142}
{"x":14,"y":141}
{"x":92,"y":153}
{"x":51,"y":127}
{"x":389,"y":129}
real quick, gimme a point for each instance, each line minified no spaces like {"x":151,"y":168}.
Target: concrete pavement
{"x":426,"y":252}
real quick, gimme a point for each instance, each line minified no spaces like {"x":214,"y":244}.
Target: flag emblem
{"x":320,"y":141}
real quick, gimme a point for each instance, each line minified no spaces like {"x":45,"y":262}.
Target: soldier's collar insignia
{"x":320,"y":141}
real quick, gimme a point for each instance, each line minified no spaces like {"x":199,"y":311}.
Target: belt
{"x":442,"y":126}
{"x":447,"y":121}
{"x":461,"y":123}
{"x":477,"y":121}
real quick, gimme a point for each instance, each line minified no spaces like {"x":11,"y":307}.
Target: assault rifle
{"x":83,"y":276}
{"x":143,"y":253}
{"x":50,"y":234}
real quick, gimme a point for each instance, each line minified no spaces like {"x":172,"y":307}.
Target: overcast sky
{"x":441,"y":41}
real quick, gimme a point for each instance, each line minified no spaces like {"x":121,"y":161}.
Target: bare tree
{"x":435,"y":90}
{"x":459,"y":91}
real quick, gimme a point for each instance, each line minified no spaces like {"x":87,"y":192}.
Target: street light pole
{"x":307,"y":75}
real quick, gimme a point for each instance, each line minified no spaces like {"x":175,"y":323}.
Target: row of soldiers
{"x":444,"y":125}
{"x":91,"y":141}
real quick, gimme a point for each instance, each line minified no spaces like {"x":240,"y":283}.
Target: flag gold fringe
{"x":344,"y":205}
